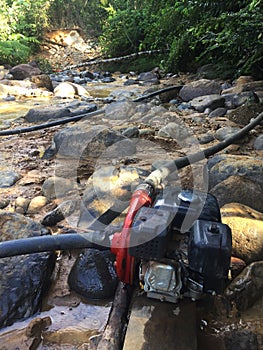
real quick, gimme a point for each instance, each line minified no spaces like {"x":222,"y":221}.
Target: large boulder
{"x":198,"y":88}
{"x":83,"y":140}
{"x":23,"y":279}
{"x":42,"y":81}
{"x":223,"y":166}
{"x":43,"y":114}
{"x":239,"y":189}
{"x":207,"y":101}
{"x":70,"y":90}
{"x":247,"y":231}
{"x":120,"y":110}
{"x":23,"y":71}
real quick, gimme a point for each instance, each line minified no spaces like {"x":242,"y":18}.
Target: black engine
{"x":182,"y":245}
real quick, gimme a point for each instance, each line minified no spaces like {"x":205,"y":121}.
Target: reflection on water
{"x":14,"y":109}
{"x":58,"y":328}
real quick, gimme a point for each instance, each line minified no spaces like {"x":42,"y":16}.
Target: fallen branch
{"x":115,"y":59}
{"x":113,"y":335}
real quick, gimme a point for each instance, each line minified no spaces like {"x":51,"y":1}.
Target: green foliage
{"x":123,"y":33}
{"x":196,"y":32}
{"x":86,"y":14}
{"x":13,"y":52}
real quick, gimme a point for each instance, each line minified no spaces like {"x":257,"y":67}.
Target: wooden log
{"x":113,"y":335}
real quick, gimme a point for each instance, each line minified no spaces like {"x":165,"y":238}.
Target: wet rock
{"x":93,"y":275}
{"x":4,"y":202}
{"x":226,"y":132}
{"x":85,"y":142}
{"x":36,"y":204}
{"x":258,"y":144}
{"x":23,"y":71}
{"x":198,"y":88}
{"x":247,"y":287}
{"x":108,"y":191}
{"x":218,"y":112}
{"x":247,"y":231}
{"x":120,"y":110}
{"x":42,"y":81}
{"x":223,"y":166}
{"x":70,"y":90}
{"x":23,"y":279}
{"x":241,"y":340}
{"x":200,"y":103}
{"x":26,"y":338}
{"x":43,"y":114}
{"x":57,"y":187}
{"x":239,"y":189}
{"x":21,"y":205}
{"x":8,"y":178}
{"x":62,"y":211}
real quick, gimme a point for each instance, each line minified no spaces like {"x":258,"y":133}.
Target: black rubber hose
{"x":158,"y":92}
{"x":157,"y":176}
{"x":30,"y":245}
{"x":78,"y":117}
{"x":50,"y":124}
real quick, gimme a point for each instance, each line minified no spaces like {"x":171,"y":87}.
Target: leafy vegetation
{"x":227,"y":33}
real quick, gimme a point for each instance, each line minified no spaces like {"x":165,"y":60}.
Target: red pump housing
{"x":124,"y":264}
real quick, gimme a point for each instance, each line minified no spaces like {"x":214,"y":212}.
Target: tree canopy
{"x":195,"y":32}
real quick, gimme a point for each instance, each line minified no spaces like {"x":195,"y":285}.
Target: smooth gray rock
{"x":208,"y":101}
{"x":120,"y":110}
{"x":205,"y":138}
{"x":23,"y":279}
{"x":226,"y":132}
{"x":218,"y":112}
{"x":198,"y":88}
{"x":43,"y":114}
{"x":8,"y":178}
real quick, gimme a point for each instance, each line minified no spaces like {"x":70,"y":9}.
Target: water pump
{"x":178,"y":243}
